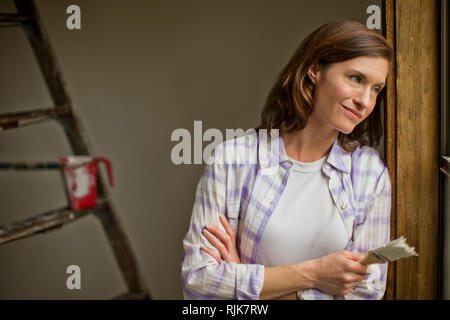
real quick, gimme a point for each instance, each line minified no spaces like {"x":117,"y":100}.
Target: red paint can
{"x":80,"y":175}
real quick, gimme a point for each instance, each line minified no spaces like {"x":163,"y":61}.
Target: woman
{"x":294,"y":224}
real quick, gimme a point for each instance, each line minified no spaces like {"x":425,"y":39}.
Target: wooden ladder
{"x":28,"y":18}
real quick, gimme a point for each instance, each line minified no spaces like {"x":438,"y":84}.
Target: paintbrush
{"x":394,"y":250}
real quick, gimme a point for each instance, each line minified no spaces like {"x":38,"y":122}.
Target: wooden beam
{"x":390,"y":136}
{"x":26,"y":166}
{"x":46,"y":59}
{"x":44,"y":222}
{"x":13,"y":17}
{"x":9,"y":120}
{"x":417,"y":172}
{"x":133,"y":296}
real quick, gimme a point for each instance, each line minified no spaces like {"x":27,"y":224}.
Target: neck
{"x":310,"y":144}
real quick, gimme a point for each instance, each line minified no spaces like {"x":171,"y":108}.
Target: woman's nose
{"x":363,"y":98}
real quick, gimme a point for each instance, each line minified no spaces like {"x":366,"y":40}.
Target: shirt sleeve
{"x":372,"y":233}
{"x":202,"y":277}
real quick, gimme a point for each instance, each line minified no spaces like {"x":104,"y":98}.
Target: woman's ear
{"x":313,"y":72}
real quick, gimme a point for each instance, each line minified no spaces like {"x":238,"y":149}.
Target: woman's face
{"x":346,"y":92}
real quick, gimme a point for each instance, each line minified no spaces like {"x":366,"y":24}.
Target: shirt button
{"x":344,"y":206}
{"x":327,"y":166}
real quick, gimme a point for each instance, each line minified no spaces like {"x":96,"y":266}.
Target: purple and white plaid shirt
{"x":247,"y":192}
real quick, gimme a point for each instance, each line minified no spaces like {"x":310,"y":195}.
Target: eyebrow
{"x":365,"y":77}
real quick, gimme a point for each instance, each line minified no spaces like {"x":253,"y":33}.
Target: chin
{"x":346,"y":130}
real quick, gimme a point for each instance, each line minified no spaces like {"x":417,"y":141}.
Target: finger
{"x":211,"y":253}
{"x":354,"y":278}
{"x":358,"y":269}
{"x":227,"y":226}
{"x":356,"y":266}
{"x":351,"y":286}
{"x":222,"y":236}
{"x":361,"y":269}
{"x":355,"y":256}
{"x":216,"y":243}
{"x":346,"y":292}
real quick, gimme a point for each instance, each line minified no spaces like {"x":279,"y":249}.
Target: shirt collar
{"x":339,"y":158}
{"x":272,"y":155}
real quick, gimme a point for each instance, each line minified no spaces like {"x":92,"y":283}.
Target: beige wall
{"x":136,"y":71}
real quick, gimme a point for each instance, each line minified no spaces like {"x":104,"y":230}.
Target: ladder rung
{"x":14,"y":17}
{"x":8,"y":120}
{"x":21,"y":166}
{"x":45,"y":221}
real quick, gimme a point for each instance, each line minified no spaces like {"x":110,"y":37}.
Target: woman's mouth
{"x":352,"y":113}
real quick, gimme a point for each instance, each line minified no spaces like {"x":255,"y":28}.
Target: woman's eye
{"x":377,"y":90}
{"x":356,"y":78}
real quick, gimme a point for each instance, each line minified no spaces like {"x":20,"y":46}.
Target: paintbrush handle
{"x":370,"y":258}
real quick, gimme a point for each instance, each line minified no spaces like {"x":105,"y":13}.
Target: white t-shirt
{"x":305,"y":224}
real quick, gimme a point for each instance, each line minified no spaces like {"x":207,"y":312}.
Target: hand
{"x":224,"y":242}
{"x":339,"y":273}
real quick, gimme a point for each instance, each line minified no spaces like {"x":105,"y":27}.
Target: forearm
{"x":289,"y":296}
{"x":284,"y":280}
{"x":206,"y":279}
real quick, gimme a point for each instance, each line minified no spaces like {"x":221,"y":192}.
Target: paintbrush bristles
{"x":396,"y":249}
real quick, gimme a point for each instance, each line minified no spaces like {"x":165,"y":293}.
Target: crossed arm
{"x":215,"y":272}
{"x":335,"y":274}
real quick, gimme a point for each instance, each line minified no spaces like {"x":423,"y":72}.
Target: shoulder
{"x":237,"y":150}
{"x":369,"y":172}
{"x":367,"y":159}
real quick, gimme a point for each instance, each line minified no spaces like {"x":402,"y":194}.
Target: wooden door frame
{"x":412,"y":99}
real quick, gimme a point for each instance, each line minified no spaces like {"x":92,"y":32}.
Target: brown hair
{"x":289,"y":103}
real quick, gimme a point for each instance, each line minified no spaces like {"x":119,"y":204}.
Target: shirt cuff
{"x":249,"y":281}
{"x":313,"y":294}
{"x":368,"y":288}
